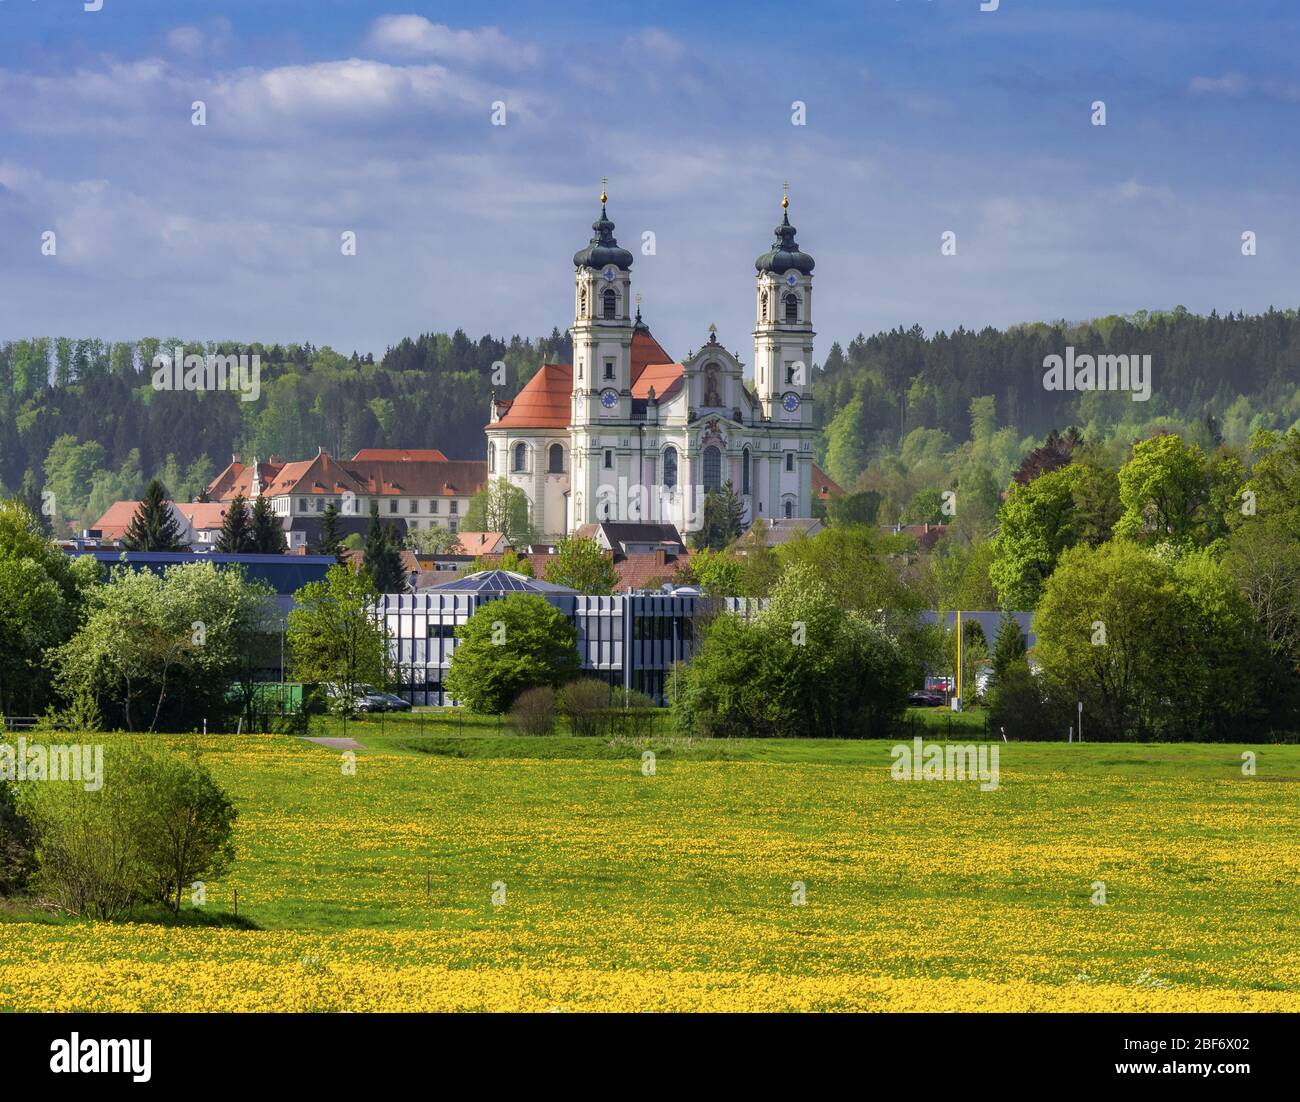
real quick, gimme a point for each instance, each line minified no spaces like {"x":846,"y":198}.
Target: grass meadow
{"x":459,"y":869}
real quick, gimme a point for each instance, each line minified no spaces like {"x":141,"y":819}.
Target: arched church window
{"x":791,"y":308}
{"x":582,"y":303}
{"x":789,"y":509}
{"x":556,"y":465}
{"x":762,"y":302}
{"x":712,"y":469}
{"x":521,"y":457}
{"x":609,"y":305}
{"x":744,"y":472}
{"x":670,"y":467}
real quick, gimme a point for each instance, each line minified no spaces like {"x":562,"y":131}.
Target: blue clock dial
{"x":790,"y":402}
{"x":608,"y":275}
{"x":791,"y":279}
{"x":609,"y":398}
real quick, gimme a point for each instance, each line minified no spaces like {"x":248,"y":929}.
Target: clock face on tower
{"x":791,"y":279}
{"x":608,"y":275}
{"x":609,"y":398}
{"x":790,"y":402}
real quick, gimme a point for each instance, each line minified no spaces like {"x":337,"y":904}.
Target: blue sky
{"x":923,"y":116}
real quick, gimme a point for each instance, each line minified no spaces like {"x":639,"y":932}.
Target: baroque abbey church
{"x":625,"y":433}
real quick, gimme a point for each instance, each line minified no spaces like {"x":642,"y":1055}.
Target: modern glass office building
{"x":630,"y":641}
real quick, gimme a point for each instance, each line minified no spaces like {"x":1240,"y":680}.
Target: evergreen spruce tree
{"x":236,"y":536}
{"x":30,"y":495}
{"x":1009,"y":647}
{"x":723,"y":520}
{"x":266,"y":535}
{"x":383,"y":557}
{"x":153,"y":528}
{"x":328,"y":540}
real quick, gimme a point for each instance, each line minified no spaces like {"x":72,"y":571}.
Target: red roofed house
{"x":625,"y":433}
{"x":199,"y":522}
{"x":419,"y":488}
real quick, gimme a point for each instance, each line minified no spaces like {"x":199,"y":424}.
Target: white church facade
{"x":625,"y":433}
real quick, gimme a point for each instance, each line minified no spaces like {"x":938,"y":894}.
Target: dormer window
{"x":791,"y":308}
{"x":609,"y":305}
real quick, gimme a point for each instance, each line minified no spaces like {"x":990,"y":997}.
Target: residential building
{"x":420,"y":488}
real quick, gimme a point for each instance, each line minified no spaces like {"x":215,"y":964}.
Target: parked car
{"x":939,"y":684}
{"x":365,"y":699}
{"x":923,"y":699}
{"x":395,"y":702}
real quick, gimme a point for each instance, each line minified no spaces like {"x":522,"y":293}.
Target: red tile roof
{"x":477,"y":543}
{"x":407,"y":472}
{"x":200,"y":515}
{"x":203,"y":514}
{"x":238,"y":479}
{"x":321,"y":475}
{"x":406,"y":455}
{"x":116,"y":519}
{"x":824,"y":487}
{"x":646,"y":351}
{"x":449,"y":478}
{"x":638,"y":570}
{"x":663,"y":377}
{"x":544,"y":401}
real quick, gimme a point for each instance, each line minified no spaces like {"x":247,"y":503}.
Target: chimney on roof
{"x":235,"y":457}
{"x":661,"y":556}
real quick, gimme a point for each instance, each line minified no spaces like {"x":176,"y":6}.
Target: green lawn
{"x":628,"y":891}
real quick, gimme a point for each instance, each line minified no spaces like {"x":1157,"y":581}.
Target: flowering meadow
{"x":569,"y":875}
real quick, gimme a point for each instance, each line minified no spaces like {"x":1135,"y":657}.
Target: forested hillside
{"x":902,"y":413}
{"x":81,"y":418}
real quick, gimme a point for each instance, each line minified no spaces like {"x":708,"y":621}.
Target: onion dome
{"x":603,"y":250}
{"x":785,"y":252}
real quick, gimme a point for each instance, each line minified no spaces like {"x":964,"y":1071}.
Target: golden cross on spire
{"x":604,"y":180}
{"x":785,"y":195}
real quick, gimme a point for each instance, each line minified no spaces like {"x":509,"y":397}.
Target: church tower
{"x":602,"y":328}
{"x":783,"y":333}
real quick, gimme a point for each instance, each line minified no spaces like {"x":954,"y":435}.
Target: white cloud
{"x":654,"y":43}
{"x":1230,"y":84}
{"x":415,"y":36}
{"x":185,"y":40}
{"x":193,"y":40}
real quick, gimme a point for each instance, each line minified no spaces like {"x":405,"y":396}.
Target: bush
{"x":158,"y":823}
{"x":585,"y":703}
{"x":533,"y":712}
{"x":17,"y":844}
{"x":636,"y":716}
{"x":1018,"y":706}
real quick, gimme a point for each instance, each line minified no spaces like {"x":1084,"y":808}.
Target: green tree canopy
{"x":335,"y":636}
{"x":580,"y":564}
{"x":501,"y":507}
{"x":508,"y":646}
